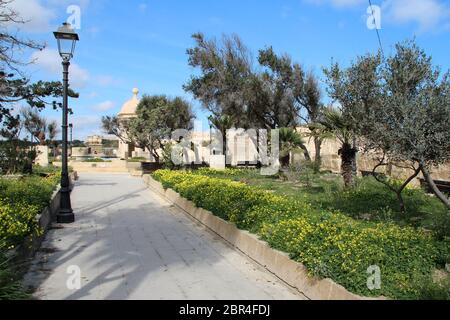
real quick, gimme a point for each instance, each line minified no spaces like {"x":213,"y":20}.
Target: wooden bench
{"x":248,"y":164}
{"x":196,"y":166}
{"x":442,"y":185}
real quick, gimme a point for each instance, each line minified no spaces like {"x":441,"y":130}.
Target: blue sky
{"x":142,"y":43}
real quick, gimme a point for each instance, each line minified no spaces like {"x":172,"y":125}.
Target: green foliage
{"x":329,"y":244}
{"x":136,"y":159}
{"x":398,"y":106}
{"x":334,"y":122}
{"x":289,"y":140}
{"x":156,"y":118}
{"x":17,"y":220}
{"x":108,"y":143}
{"x":48,"y":170}
{"x":270,"y":95}
{"x":95,"y":160}
{"x":10,"y":286}
{"x":20,"y":202}
{"x":368,"y":200}
{"x":112,"y":125}
{"x":16,"y":156}
{"x":225,"y":71}
{"x":438,"y":290}
{"x":167,"y":156}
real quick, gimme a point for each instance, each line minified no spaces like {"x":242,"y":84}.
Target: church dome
{"x":129,"y":107}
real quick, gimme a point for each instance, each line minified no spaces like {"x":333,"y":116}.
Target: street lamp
{"x":67,"y":39}
{"x":71,"y":138}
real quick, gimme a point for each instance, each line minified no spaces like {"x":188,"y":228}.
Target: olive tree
{"x":400,"y":108}
{"x":156,"y":118}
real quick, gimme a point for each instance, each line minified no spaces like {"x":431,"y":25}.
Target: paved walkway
{"x":131,"y":244}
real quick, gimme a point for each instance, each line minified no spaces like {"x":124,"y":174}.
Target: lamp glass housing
{"x":67,"y":39}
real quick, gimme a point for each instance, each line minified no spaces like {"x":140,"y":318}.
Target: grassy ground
{"x":368,"y":200}
{"x":333,"y":232}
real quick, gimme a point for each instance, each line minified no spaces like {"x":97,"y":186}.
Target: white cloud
{"x":428,"y":14}
{"x":50,"y":61}
{"x":104,"y":106}
{"x":85,"y":122}
{"x":37,"y":16}
{"x":85,"y":125}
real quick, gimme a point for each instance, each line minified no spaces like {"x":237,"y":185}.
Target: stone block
{"x":42,"y":156}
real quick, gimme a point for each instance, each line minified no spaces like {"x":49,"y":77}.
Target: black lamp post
{"x":67,"y":39}
{"x":71,"y":137}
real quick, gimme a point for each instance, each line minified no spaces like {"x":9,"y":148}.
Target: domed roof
{"x":129,"y":107}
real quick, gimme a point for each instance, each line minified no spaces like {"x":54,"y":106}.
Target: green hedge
{"x":329,"y":244}
{"x":96,"y":160}
{"x":20,"y":202}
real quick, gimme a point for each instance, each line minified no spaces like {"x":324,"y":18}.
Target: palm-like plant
{"x":222,"y":123}
{"x":289,"y":140}
{"x":334,"y":123}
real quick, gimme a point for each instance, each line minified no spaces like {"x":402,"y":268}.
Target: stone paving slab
{"x":129,"y":243}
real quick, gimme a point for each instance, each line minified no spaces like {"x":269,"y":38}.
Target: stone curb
{"x":277,"y":262}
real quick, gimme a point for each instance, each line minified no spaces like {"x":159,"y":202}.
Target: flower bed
{"x":328,"y":244}
{"x":20,"y":202}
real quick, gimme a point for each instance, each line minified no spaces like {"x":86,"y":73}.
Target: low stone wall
{"x":277,"y":262}
{"x":332,"y":161}
{"x":116,"y":166}
{"x":32,"y":243}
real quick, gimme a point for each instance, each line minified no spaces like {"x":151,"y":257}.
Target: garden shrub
{"x":32,"y":190}
{"x":20,"y":202}
{"x":343,"y":250}
{"x":329,"y":244}
{"x":17,"y":221}
{"x":10,"y":284}
{"x":95,"y":160}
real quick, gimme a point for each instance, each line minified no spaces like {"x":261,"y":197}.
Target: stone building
{"x":128,"y":111}
{"x":94,"y":145}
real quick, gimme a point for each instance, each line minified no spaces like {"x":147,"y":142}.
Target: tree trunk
{"x":225,"y":147}
{"x":400,"y":200}
{"x":305,"y":152}
{"x":403,"y":186}
{"x":154,"y":154}
{"x":318,"y":156}
{"x":398,"y":192}
{"x":285,"y":160}
{"x":348,"y":157}
{"x":435,"y":189}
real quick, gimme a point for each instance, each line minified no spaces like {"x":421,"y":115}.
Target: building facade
{"x":128,"y":149}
